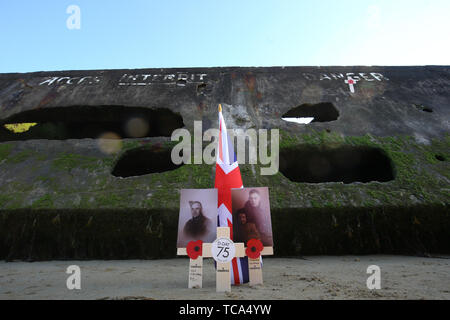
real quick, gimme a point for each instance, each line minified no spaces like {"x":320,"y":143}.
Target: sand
{"x":315,"y":277}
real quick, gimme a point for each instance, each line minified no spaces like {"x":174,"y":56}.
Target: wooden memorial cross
{"x":254,"y":252}
{"x":223,"y":250}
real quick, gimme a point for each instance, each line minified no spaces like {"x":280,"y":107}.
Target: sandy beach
{"x":315,"y":277}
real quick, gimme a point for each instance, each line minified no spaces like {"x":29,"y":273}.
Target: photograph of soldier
{"x":245,"y":230}
{"x":198,"y":216}
{"x":251,"y":215}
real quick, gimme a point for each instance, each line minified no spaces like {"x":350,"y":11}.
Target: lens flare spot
{"x":137,"y":127}
{"x":109,"y":142}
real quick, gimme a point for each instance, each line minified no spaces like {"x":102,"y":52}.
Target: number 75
{"x":224,"y":250}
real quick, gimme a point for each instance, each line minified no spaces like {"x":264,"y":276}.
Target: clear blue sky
{"x":204,"y":33}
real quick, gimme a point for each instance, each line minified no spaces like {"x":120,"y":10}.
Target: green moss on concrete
{"x":130,"y":144}
{"x":112,"y":200}
{"x":437,"y":148}
{"x":419,"y":176}
{"x":409,"y":214}
{"x":202,"y":176}
{"x":46,"y":180}
{"x":43,"y":202}
{"x":5,"y":150}
{"x":41,"y":156}
{"x":20,"y":156}
{"x":4,"y":199}
{"x":14,"y":158}
{"x":19,"y":186}
{"x":108,"y":162}
{"x":287,"y":139}
{"x":9,"y":200}
{"x":69,"y":161}
{"x":412,"y":179}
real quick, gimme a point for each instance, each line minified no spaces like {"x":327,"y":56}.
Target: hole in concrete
{"x":202,"y":89}
{"x":141,"y":161}
{"x":344,"y":164}
{"x":421,"y":107}
{"x":440,"y":157}
{"x":320,"y":112}
{"x":78,"y":122}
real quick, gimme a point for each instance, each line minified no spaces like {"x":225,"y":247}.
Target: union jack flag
{"x":228,"y":176}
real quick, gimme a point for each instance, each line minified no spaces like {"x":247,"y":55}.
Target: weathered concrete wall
{"x":59,"y":199}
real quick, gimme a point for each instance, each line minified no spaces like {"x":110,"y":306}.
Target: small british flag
{"x":228,"y":176}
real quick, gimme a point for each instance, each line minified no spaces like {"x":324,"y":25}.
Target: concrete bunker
{"x":79,"y":122}
{"x":345,"y":164}
{"x":319,"y":112}
{"x":143,"y":160}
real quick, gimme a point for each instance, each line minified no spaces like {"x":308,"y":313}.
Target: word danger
{"x":372,"y":76}
{"x":179,"y":78}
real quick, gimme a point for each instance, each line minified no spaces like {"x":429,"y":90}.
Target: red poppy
{"x":254,"y":248}
{"x":194,"y":249}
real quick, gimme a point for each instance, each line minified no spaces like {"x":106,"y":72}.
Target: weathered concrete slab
{"x":59,"y":198}
{"x":382,"y":105}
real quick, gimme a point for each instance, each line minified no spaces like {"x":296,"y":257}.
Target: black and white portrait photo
{"x":198,"y":216}
{"x":251,"y":215}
